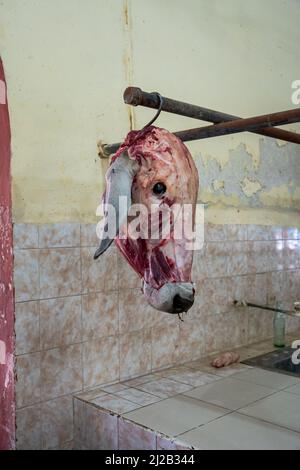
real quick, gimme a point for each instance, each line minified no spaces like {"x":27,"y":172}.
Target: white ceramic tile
{"x":29,"y":418}
{"x":27,"y":327}
{"x":235,"y":431}
{"x":116,"y":404}
{"x":175,"y":415}
{"x":57,"y":422}
{"x":164,"y":388}
{"x":26,"y":236}
{"x":230,"y":370}
{"x":134,"y":437}
{"x":281,"y":408}
{"x":137,"y":396}
{"x":294,"y":389}
{"x":194,"y":378}
{"x":267,"y":378}
{"x":91,"y":394}
{"x":230,"y":393}
{"x":59,"y":235}
{"x":170,"y":444}
{"x":142,"y":379}
{"x":93,"y":428}
{"x":114,"y":388}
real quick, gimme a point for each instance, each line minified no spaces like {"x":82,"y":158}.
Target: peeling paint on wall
{"x":250,"y":187}
{"x":274,"y":183}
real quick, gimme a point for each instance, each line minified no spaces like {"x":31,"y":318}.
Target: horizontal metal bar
{"x":240,"y":125}
{"x":229,"y":127}
{"x":137,"y":97}
{"x":292,"y":313}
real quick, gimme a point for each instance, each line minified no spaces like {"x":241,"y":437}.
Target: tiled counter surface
{"x":193,"y":406}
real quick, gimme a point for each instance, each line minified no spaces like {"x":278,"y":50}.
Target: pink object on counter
{"x":225,"y":359}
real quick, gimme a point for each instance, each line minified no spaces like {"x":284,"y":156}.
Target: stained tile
{"x":226,"y":330}
{"x":236,"y":232}
{"x":177,"y":369}
{"x":156,"y":319}
{"x":60,"y":321}
{"x":238,"y":258}
{"x":137,"y":396}
{"x":194,"y":378}
{"x":294,"y":389}
{"x":256,"y":288}
{"x":91,"y":394}
{"x":230,"y":371}
{"x":28,"y":383}
{"x":162,"y":443}
{"x":29,"y":419}
{"x":128,"y":278}
{"x":59,"y":235}
{"x":93,"y":428}
{"x":175,"y":415}
{"x":26,"y":236}
{"x":215,"y":233}
{"x":229,"y":393}
{"x":164,"y":346}
{"x":115,"y":404}
{"x":99,"y":275}
{"x":258,"y":232}
{"x":164,"y":388}
{"x":60,"y":272}
{"x":142,"y":379}
{"x":118,"y":387}
{"x":217,"y":255}
{"x":258,"y":252}
{"x":199,"y":269}
{"x":88,"y":235}
{"x":276,"y":287}
{"x":135,"y":354}
{"x":61,"y":371}
{"x":191,"y":344}
{"x":26,"y":275}
{"x":101,"y":361}
{"x":27,"y":327}
{"x":281,"y":409}
{"x":275,"y":259}
{"x":216,"y":296}
{"x":134,"y":437}
{"x":293,"y":285}
{"x":135,"y":313}
{"x":267,"y":378}
{"x":99,"y":315}
{"x":260,"y":324}
{"x":245,"y":434}
{"x":57,"y":422}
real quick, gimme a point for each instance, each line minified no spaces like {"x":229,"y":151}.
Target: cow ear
{"x":117,"y":200}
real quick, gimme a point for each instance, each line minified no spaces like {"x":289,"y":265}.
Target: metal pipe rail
{"x":224,"y":123}
{"x":291,"y":313}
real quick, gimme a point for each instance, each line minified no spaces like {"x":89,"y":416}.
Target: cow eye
{"x":159,"y":189}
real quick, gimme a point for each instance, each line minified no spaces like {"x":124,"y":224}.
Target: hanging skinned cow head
{"x":155,"y":170}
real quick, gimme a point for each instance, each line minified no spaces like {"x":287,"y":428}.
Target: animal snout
{"x":182,"y":304}
{"x":172,"y":297}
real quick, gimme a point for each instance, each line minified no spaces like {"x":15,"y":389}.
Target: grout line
{"x":81,"y":306}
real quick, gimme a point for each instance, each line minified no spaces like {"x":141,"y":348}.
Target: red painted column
{"x":7,"y":400}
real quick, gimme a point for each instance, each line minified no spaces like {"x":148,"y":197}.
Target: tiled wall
{"x":81,"y":323}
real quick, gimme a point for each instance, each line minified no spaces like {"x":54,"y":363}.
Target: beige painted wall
{"x":68,"y":61}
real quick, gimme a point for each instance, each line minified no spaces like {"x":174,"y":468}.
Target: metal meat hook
{"x":161,"y":101}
